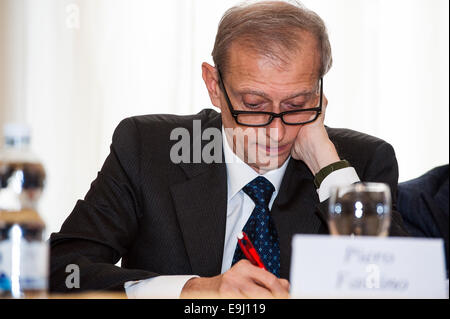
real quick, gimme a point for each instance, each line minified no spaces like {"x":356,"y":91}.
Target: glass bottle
{"x":24,"y":253}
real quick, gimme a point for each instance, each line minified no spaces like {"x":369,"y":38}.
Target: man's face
{"x":255,"y":83}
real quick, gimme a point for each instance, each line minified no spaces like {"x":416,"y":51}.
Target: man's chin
{"x":269,"y":163}
{"x":263,"y":159}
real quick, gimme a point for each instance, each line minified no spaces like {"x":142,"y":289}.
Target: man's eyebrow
{"x":263,"y":94}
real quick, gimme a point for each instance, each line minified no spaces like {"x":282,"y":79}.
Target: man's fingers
{"x":285,"y":283}
{"x":269,"y":281}
{"x":277,"y":289}
{"x":253,"y":290}
{"x":255,"y":282}
{"x":233,"y":293}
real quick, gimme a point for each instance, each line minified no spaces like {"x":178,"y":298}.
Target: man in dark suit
{"x":172,"y":214}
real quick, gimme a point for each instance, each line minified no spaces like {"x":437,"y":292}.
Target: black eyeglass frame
{"x":236,"y":114}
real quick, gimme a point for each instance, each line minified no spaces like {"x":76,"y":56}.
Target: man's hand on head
{"x":243,"y":280}
{"x":313,"y":146}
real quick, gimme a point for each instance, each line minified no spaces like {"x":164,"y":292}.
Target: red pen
{"x":249,"y":250}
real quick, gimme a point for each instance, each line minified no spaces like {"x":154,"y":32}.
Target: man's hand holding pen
{"x":248,"y":278}
{"x":243,"y":280}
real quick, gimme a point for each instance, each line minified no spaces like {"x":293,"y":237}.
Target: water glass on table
{"x":361,"y":209}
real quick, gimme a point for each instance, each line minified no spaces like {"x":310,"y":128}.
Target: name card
{"x":367,"y":267}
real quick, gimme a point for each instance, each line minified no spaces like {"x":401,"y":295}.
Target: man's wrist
{"x":327,"y":170}
{"x":167,"y":287}
{"x":321,"y":154}
{"x":341,"y":177}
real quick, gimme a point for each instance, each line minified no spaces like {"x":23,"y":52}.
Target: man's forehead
{"x":244,"y":60}
{"x":245,"y":65}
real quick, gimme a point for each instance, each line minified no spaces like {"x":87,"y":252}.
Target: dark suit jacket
{"x":423,"y":204}
{"x":163,"y":218}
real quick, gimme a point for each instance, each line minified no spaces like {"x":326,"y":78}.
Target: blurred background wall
{"x":3,"y":31}
{"x":72,"y":69}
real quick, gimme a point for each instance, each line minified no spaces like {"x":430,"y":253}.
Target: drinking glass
{"x":361,"y":209}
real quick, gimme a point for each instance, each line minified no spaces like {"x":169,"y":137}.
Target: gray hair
{"x":271,"y":28}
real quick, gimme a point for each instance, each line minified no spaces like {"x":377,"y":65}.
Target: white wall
{"x":74,"y":69}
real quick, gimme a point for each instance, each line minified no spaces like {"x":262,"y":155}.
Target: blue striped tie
{"x":260,"y":227}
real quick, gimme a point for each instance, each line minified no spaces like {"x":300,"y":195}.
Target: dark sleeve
{"x":381,"y":167}
{"x":101,"y":227}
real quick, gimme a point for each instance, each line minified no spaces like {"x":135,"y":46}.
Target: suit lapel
{"x":294,"y":210}
{"x":201,"y":207}
{"x":201,"y":204}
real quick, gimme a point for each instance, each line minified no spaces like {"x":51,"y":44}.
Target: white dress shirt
{"x":239,"y":209}
{"x":240,"y":205}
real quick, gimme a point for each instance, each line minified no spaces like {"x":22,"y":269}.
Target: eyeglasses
{"x":259,"y":119}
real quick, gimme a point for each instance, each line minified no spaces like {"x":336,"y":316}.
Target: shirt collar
{"x":240,"y":173}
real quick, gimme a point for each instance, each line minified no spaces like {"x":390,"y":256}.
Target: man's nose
{"x":276,"y":130}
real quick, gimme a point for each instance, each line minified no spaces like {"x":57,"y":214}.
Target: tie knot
{"x":260,"y":191}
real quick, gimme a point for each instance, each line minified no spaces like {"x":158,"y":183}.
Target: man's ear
{"x":211,"y":79}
